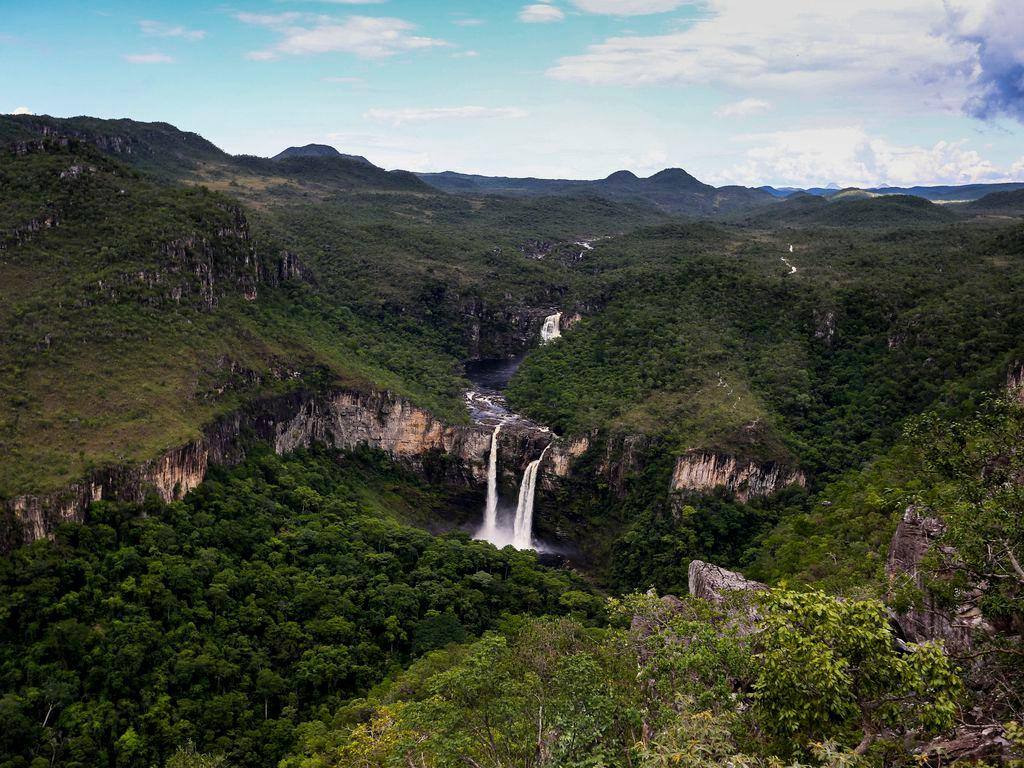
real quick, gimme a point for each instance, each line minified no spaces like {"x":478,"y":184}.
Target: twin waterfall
{"x":519,"y":530}
{"x":521,"y":534}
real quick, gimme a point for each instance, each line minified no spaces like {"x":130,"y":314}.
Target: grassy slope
{"x":101,"y":366}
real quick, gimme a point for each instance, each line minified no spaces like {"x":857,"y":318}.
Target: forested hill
{"x":672,"y":190}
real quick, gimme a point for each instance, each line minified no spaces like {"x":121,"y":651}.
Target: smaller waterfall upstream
{"x":551,"y":330}
{"x":522,"y":530}
{"x":489,"y":530}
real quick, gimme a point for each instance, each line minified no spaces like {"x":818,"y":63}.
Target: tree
{"x":828,"y":668}
{"x":975,"y":470}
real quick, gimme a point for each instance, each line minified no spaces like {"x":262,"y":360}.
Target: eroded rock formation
{"x":341,"y":419}
{"x":703,"y":471}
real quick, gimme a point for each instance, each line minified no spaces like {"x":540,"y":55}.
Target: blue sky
{"x":735,"y":91}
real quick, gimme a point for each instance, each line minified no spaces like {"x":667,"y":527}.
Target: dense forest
{"x":782,"y":389}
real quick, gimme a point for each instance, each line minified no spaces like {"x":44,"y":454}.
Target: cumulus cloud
{"x":398,"y":117}
{"x":950,"y":54}
{"x":996,"y":29}
{"x":540,"y":13}
{"x":368,"y":37}
{"x":160,"y":29}
{"x":743,"y":108}
{"x":851,"y":157}
{"x":148,"y":58}
{"x":27,"y":111}
{"x":783,"y":44}
{"x":629,"y":7}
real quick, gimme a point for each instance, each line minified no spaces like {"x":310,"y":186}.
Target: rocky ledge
{"x":703,"y":471}
{"x":339,"y":418}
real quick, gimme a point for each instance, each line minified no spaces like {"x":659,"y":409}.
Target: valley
{"x":308,"y":463}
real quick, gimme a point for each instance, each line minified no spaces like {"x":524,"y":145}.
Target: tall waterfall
{"x":522,"y":531}
{"x":551,"y":330}
{"x":490,"y":527}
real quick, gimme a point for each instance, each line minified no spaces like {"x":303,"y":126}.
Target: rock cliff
{"x":703,"y":471}
{"x":341,"y":419}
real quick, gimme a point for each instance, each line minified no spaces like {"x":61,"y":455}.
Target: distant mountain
{"x":318,"y":150}
{"x":951,"y":193}
{"x":858,"y":209}
{"x":937,"y":194}
{"x":672,"y":190}
{"x":171,"y":154}
{"x":1007,"y":202}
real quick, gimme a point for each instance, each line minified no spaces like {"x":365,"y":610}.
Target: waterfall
{"x":490,"y":527}
{"x":522,"y":531}
{"x":551,"y":330}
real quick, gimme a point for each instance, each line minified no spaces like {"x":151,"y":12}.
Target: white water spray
{"x":489,"y":531}
{"x":522,"y":531}
{"x":551,"y":330}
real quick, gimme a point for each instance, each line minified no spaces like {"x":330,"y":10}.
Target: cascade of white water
{"x":551,"y":330}
{"x":522,"y":531}
{"x":490,"y":527}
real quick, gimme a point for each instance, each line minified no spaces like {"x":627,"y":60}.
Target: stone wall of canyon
{"x":341,"y":419}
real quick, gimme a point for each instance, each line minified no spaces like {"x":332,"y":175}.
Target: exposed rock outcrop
{"x":927,"y":618}
{"x":715,"y":584}
{"x":702,"y":471}
{"x":562,"y":455}
{"x":342,"y":419}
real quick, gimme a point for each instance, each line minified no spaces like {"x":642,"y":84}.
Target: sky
{"x":783,"y":92}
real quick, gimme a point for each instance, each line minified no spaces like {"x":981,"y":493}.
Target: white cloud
{"x":940,"y":55}
{"x":21,"y":111}
{"x":849,"y":156}
{"x":398,"y":117}
{"x":783,"y":44}
{"x":466,"y":54}
{"x":996,"y":29}
{"x":365,"y":36}
{"x":743,"y":108}
{"x":540,"y":13}
{"x":471,"y":22}
{"x":629,"y":7}
{"x":148,"y":58}
{"x":160,"y":29}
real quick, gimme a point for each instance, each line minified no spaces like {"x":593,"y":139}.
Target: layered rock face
{"x":341,"y":419}
{"x":928,"y":618}
{"x":703,"y":471}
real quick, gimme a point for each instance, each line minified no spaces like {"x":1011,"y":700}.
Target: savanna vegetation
{"x":296,"y":612}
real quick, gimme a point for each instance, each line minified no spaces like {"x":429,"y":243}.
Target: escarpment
{"x":703,"y":471}
{"x":338,"y":418}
